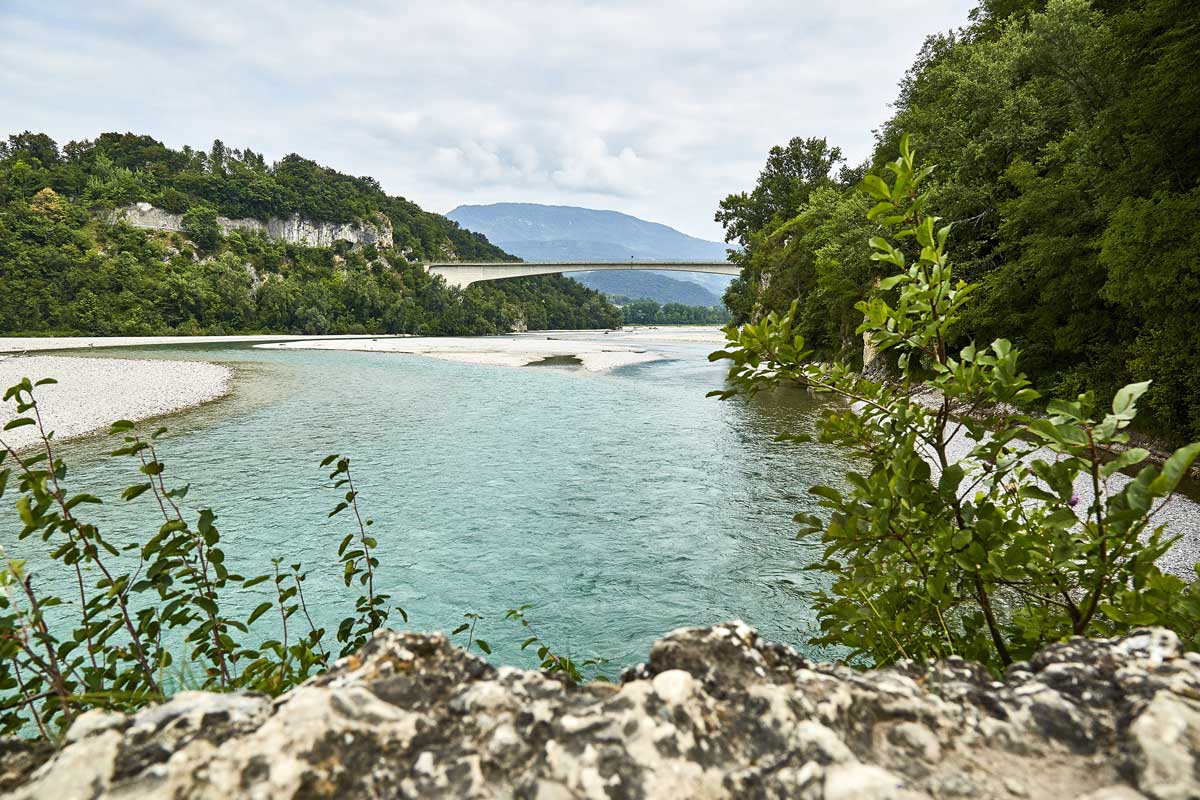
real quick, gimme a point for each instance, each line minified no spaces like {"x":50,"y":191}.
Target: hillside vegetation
{"x":65,"y":269}
{"x":1065,"y":137}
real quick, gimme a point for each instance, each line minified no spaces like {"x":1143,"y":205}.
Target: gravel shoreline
{"x":616,"y":348}
{"x":93,"y":393}
{"x":29,"y":344}
{"x":500,"y":351}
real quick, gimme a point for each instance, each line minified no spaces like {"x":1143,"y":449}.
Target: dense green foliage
{"x":960,"y":537}
{"x":648,"y":312}
{"x":64,"y":269}
{"x":1065,"y":134}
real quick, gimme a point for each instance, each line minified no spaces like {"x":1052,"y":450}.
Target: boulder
{"x":714,"y":713}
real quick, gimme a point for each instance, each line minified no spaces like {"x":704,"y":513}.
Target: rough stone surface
{"x":714,"y":713}
{"x":293,"y":229}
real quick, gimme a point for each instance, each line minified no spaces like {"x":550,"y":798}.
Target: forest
{"x":1066,"y":140}
{"x":640,"y":311}
{"x":67,"y":270}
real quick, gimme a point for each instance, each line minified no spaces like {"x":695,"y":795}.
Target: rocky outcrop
{"x":715,"y":713}
{"x":293,"y":229}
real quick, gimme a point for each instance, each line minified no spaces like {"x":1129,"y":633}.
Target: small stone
{"x":822,"y":745}
{"x":956,"y":784}
{"x":1014,"y":788}
{"x":917,"y":739}
{"x":673,"y":686}
{"x":95,"y":721}
{"x":860,"y":782}
{"x":424,"y":765}
{"x":1166,"y":745}
{"x":1114,"y":792}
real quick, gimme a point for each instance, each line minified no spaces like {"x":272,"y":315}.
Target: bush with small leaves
{"x":358,"y":562}
{"x":112,"y":645}
{"x":550,"y":661}
{"x":963,"y":536}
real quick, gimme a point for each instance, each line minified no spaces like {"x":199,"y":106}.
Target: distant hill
{"x":122,"y":235}
{"x":648,"y":285}
{"x":547,"y":233}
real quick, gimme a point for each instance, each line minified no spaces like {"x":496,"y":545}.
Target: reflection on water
{"x":621,"y":505}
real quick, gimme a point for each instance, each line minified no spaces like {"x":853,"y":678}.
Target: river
{"x":620,"y":504}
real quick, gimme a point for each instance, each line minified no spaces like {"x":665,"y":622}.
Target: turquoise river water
{"x":620,"y":504}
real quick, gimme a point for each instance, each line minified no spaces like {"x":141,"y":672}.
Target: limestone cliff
{"x":293,"y":229}
{"x":714,"y":713}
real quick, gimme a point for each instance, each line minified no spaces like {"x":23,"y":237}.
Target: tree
{"x":1050,"y":122}
{"x":791,"y":174}
{"x":200,"y":224}
{"x":960,"y":537}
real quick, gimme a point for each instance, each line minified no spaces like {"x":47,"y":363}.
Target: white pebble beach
{"x":93,"y":393}
{"x":598,"y":351}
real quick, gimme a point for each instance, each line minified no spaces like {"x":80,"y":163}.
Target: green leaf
{"x":950,"y":479}
{"x":827,"y":492}
{"x":19,"y":422}
{"x":876,"y":187}
{"x":1033,"y":492}
{"x":1174,"y":469}
{"x":1127,"y":396}
{"x":1134,"y":455}
{"x":259,"y":610}
{"x":135,"y":491}
{"x":484,"y":646}
{"x":82,"y":498}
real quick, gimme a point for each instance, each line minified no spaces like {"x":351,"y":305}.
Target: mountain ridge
{"x":539,"y":232}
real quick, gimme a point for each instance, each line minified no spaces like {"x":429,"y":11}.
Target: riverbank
{"x":30,"y":344}
{"x":500,"y":351}
{"x":594,"y":351}
{"x":93,"y":393}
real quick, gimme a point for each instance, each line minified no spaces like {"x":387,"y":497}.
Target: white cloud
{"x":658,"y":109}
{"x":590,"y":167}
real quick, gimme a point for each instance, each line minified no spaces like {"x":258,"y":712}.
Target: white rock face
{"x":716,"y":713}
{"x":293,"y":229}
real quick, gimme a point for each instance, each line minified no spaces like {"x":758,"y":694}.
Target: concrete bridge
{"x":463,"y":273}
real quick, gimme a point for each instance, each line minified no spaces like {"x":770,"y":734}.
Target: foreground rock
{"x":715,"y":713}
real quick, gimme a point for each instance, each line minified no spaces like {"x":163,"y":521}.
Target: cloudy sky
{"x":658,"y":109}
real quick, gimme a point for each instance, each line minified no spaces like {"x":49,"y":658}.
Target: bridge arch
{"x":463,"y":273}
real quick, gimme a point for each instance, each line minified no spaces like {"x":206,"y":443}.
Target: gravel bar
{"x":93,"y":393}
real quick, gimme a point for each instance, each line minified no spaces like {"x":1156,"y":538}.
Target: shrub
{"x":961,"y":536}
{"x":200,"y":224}
{"x":148,"y":599}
